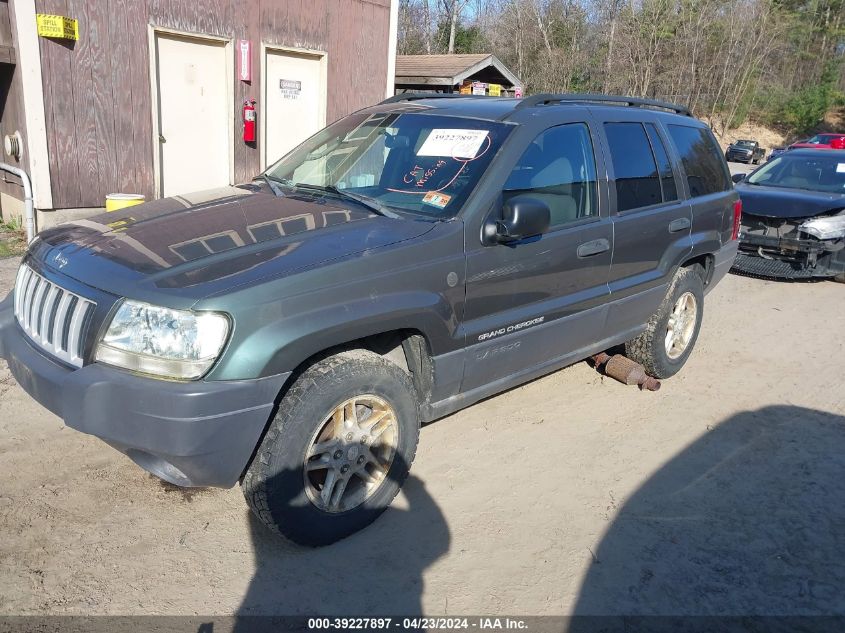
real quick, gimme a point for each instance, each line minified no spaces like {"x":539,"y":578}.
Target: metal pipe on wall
{"x":29,"y":217}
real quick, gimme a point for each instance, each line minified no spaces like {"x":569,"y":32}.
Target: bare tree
{"x":717,"y":56}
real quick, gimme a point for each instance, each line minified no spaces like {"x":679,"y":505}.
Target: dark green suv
{"x":292,"y":333}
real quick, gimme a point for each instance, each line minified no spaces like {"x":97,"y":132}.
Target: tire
{"x":289,"y":499}
{"x":650,"y":348}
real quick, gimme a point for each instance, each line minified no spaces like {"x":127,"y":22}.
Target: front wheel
{"x":672,"y":331}
{"x":337,"y":451}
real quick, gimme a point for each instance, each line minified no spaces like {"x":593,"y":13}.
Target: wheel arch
{"x":703,"y":265}
{"x":407,"y":347}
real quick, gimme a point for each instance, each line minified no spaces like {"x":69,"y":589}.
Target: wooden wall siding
{"x":11,"y":105}
{"x":97,"y":92}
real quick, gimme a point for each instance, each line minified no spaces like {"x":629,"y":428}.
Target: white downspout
{"x":393,"y":39}
{"x":29,"y":218}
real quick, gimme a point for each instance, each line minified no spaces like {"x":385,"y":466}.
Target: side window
{"x":637,"y":180}
{"x":667,"y":179}
{"x":702,"y":159}
{"x":558,"y":168}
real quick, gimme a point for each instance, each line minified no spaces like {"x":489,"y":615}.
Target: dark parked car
{"x":793,"y":221}
{"x":745,"y":151}
{"x":777,"y":151}
{"x":409,"y":260}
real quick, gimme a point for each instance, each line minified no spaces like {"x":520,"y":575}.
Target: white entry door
{"x":294,"y":101}
{"x":193,"y":114}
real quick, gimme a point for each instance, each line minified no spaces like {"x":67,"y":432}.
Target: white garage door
{"x":295,"y":101}
{"x":193,"y":102}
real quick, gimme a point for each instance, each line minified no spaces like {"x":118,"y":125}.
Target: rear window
{"x":703,"y":163}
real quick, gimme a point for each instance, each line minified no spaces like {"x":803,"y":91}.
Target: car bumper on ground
{"x":789,"y":258}
{"x":188,"y":433}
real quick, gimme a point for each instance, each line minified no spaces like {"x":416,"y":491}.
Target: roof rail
{"x":545,"y":99}
{"x":414,"y":96}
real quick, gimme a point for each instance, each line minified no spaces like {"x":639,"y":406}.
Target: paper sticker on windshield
{"x":439,"y":200}
{"x":455,"y":143}
{"x":840,"y":168}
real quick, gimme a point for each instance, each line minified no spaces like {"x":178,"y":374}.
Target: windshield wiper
{"x":371,"y":203}
{"x":271,"y":182}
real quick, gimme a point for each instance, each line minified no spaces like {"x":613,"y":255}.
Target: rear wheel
{"x":672,"y":331}
{"x":337,"y":451}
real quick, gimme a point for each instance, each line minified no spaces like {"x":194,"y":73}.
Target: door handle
{"x":594,"y":247}
{"x":679,"y":224}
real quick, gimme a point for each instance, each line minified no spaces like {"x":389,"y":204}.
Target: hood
{"x":779,"y":202}
{"x":738,"y":148}
{"x":204,"y":242}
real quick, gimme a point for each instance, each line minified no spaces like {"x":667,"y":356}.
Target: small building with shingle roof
{"x":447,"y":73}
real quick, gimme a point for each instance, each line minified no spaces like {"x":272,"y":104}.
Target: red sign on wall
{"x":244,"y":60}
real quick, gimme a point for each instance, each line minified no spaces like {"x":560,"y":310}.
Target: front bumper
{"x":789,"y":258}
{"x":188,"y":433}
{"x":737,"y":157}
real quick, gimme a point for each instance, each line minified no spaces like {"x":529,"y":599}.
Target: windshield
{"x":423,"y":164}
{"x":748,"y":144}
{"x":820,"y":139}
{"x":802,"y":172}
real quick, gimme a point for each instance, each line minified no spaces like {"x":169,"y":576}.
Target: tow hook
{"x":625,"y":371}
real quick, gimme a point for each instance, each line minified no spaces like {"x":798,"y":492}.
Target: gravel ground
{"x":720,"y":494}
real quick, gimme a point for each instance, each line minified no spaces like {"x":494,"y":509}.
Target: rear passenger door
{"x":709,"y":186}
{"x":651,"y":219}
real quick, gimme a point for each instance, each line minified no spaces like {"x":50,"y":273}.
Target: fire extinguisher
{"x":249,"y":120}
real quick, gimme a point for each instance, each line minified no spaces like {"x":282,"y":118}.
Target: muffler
{"x":625,"y":371}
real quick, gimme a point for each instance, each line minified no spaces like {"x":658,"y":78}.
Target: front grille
{"x":51,"y":316}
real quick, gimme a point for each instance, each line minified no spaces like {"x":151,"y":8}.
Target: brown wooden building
{"x":149,"y":98}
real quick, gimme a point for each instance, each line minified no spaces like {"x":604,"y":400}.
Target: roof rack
{"x":546,"y":99}
{"x":414,"y":96}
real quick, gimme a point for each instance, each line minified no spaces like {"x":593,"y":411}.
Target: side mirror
{"x":738,"y":177}
{"x":522,"y":217}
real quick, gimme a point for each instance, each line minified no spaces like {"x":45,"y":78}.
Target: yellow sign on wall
{"x":494,"y":90}
{"x":57,"y":26}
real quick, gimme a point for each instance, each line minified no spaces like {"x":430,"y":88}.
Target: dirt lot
{"x":720,"y":494}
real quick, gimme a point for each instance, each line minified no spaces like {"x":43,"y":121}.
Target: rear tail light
{"x":838,"y":143}
{"x":737,"y":218}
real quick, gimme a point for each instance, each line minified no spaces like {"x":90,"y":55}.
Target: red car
{"x":822,"y":141}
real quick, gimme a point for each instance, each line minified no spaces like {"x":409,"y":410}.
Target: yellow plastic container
{"x":115,"y":201}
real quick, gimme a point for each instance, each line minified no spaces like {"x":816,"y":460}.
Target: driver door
{"x":533,"y":302}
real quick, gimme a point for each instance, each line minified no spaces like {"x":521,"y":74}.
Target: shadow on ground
{"x":376,"y":571}
{"x":749,"y":519}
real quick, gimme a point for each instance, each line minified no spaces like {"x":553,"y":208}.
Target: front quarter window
{"x":424,"y":164}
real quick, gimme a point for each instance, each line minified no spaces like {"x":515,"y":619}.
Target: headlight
{"x":826,"y":228}
{"x":175,"y":344}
